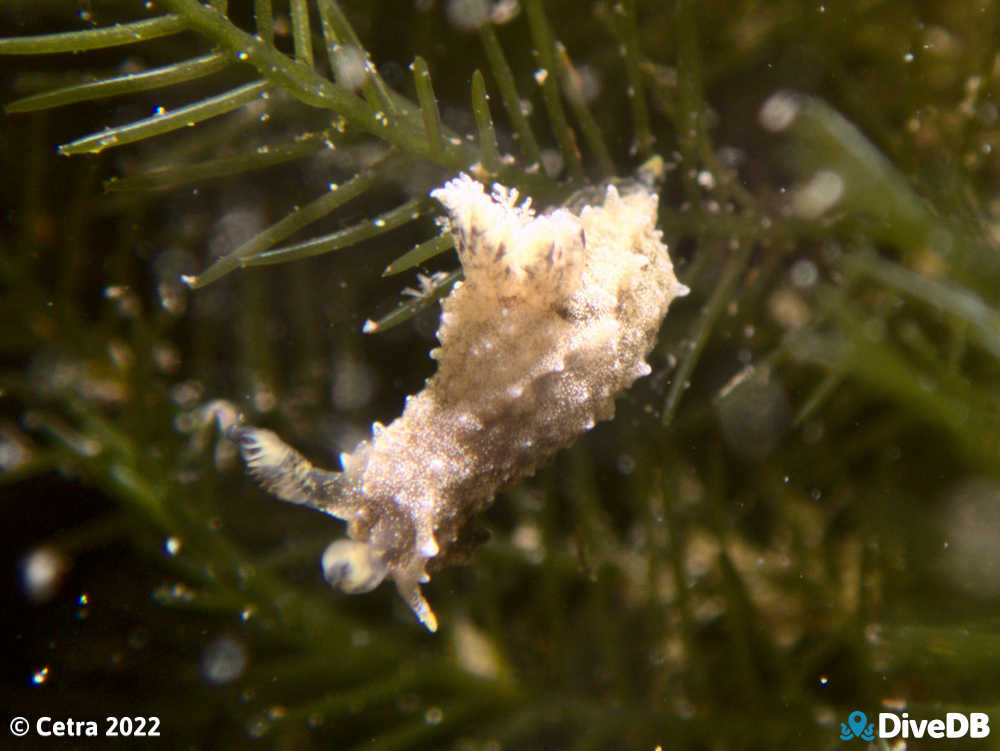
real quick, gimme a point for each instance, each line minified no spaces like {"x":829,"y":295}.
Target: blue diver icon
{"x":857,"y":726}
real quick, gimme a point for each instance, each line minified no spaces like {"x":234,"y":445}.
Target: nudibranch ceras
{"x":554,"y":319}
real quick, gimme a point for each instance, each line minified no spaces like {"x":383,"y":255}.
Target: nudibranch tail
{"x":554,"y":319}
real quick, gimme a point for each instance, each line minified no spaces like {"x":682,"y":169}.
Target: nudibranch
{"x":554,"y":319}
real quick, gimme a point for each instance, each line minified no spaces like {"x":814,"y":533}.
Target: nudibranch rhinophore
{"x":554,"y":319}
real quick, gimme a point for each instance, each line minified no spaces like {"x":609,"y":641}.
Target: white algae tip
{"x":555,"y":319}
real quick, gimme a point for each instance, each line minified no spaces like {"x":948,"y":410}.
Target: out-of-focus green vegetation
{"x":797,"y":515}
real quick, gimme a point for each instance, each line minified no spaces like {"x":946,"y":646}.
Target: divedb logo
{"x":892,"y":725}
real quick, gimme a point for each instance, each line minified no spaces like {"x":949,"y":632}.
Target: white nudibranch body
{"x":554,"y":319}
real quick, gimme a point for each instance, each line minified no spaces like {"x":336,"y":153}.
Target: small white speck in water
{"x":223,"y":661}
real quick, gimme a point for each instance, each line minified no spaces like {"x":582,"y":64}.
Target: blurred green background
{"x":795,"y":516}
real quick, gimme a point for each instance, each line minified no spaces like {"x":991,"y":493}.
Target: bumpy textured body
{"x":554,"y":319}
